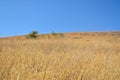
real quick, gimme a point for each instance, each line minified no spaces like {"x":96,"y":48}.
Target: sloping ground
{"x":75,"y":56}
{"x":68,"y":35}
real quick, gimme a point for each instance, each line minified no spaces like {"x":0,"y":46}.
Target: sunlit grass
{"x":85,"y":58}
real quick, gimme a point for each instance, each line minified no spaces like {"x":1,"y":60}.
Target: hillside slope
{"x":75,"y":56}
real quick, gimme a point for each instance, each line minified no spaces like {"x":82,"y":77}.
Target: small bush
{"x":57,"y":34}
{"x":33,"y":34}
{"x":54,"y":34}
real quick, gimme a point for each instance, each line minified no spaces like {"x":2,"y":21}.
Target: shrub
{"x":54,"y":33}
{"x":33,"y":34}
{"x":57,"y":34}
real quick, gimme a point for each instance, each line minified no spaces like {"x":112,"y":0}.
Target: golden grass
{"x":80,"y":57}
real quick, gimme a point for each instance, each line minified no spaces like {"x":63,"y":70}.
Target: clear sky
{"x":19,"y":17}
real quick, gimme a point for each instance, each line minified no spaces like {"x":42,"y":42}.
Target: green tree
{"x":33,"y":34}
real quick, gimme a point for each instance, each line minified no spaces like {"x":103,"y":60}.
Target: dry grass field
{"x":76,"y":56}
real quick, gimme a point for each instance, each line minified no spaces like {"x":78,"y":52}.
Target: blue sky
{"x":19,"y":17}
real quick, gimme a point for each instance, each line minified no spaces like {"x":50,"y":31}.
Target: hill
{"x":68,"y":35}
{"x":74,"y":56}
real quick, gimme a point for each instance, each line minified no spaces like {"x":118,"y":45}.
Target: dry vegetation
{"x":77,"y":56}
